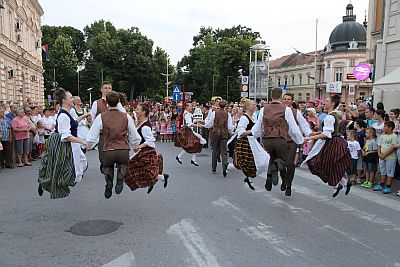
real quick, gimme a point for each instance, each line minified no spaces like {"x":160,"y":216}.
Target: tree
{"x":64,"y":62}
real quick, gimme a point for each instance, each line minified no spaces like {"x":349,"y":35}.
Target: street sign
{"x":245,"y":80}
{"x":334,"y":87}
{"x":176,"y":95}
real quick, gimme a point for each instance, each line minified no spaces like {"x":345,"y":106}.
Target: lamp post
{"x":167,"y":75}
{"x":259,"y":48}
{"x":78,"y":82}
{"x":90,"y":95}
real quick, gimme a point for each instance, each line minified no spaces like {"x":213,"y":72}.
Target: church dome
{"x":349,"y":35}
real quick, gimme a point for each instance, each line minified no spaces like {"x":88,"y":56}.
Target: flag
{"x":45,"y":52}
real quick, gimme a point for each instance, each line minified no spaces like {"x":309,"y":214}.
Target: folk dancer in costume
{"x":277,"y":126}
{"x":221,"y":123}
{"x":119,"y":135}
{"x":243,"y":157}
{"x":191,"y":142}
{"x":76,"y":112}
{"x":145,"y":168}
{"x":287,"y":174}
{"x":99,"y":106}
{"x":62,"y":161}
{"x":330,"y":158}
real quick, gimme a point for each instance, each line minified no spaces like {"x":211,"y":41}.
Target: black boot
{"x":288,"y":191}
{"x":247,"y":180}
{"x":166,"y":177}
{"x":283,"y":187}
{"x":340,"y":187}
{"x":109,"y":182}
{"x":119,"y":186}
{"x":150,"y":189}
{"x":194,"y":163}
{"x":122,"y":169}
{"x":178,"y":159}
{"x":275,"y":175}
{"x":224,"y":169}
{"x":268,"y":183}
{"x":348,"y":187}
{"x":40,"y":190}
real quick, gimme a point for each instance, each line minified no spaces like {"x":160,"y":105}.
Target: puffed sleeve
{"x":209,"y":123}
{"x":64,"y":126}
{"x":329,"y":126}
{"x":303,"y":124}
{"x":133,"y":135}
{"x":93,"y":111}
{"x":257,"y":130}
{"x":121,"y":108}
{"x":242,"y":126}
{"x":294,"y":130}
{"x":94,"y":132}
{"x":188,"y":119}
{"x":148,"y":136}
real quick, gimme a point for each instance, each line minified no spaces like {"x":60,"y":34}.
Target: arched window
{"x":300,"y":79}
{"x":292,"y":79}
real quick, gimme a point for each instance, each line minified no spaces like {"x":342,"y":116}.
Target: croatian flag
{"x":45,"y":52}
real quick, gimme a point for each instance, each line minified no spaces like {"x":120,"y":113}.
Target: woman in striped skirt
{"x":145,"y":168}
{"x":62,"y":161}
{"x":330,"y":158}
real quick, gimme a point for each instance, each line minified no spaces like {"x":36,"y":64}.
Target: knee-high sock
{"x":160,"y":177}
{"x":182,"y":154}
{"x":194,"y":157}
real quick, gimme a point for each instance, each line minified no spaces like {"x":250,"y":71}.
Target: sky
{"x":171,"y":24}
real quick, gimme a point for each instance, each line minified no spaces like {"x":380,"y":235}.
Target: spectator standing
{"x":380,"y":124}
{"x":394,"y":116}
{"x":321,"y":115}
{"x":370,"y":156}
{"x":355,"y":150}
{"x":49,"y":123}
{"x":6,"y":155}
{"x":370,"y":116}
{"x":21,"y":129}
{"x":13,"y":112}
{"x":387,"y":157}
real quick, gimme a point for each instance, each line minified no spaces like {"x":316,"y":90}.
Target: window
{"x":308,"y":96}
{"x":362,"y":94}
{"x":300,"y":96}
{"x":328,"y":64}
{"x":308,"y":79}
{"x":300,"y":80}
{"x":352,"y":62}
{"x":292,"y":80}
{"x":279,"y":82}
{"x":338,"y":75}
{"x":286,"y":81}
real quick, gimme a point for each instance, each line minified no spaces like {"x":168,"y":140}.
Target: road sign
{"x":176,"y":93}
{"x":245,"y":80}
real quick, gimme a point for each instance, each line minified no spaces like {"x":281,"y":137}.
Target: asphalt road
{"x":199,"y":220}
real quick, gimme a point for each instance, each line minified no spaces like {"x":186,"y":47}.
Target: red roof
{"x":294,"y":59}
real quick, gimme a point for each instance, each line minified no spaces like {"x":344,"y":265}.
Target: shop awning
{"x":390,"y":82}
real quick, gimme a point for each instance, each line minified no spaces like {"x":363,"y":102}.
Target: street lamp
{"x":167,"y":75}
{"x":90,"y":95}
{"x":259,"y":48}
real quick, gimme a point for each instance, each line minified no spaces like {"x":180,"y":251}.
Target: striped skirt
{"x":144,"y":168}
{"x":332,"y":161}
{"x":57,"y":170}
{"x":243,"y":158}
{"x":189,"y":142}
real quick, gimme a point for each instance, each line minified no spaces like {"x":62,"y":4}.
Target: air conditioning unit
{"x":34,"y":78}
{"x":19,"y":38}
{"x":18,"y":26}
{"x":12,"y":74}
{"x":2,"y":4}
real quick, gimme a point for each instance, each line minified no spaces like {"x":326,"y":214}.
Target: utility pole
{"x":315,"y":60}
{"x":78,"y":82}
{"x":102,"y":75}
{"x":167,"y":75}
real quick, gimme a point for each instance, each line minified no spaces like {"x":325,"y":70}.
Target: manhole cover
{"x":94,"y":227}
{"x":202,"y":155}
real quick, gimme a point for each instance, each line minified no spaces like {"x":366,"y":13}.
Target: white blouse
{"x":242,"y":125}
{"x":188,"y":119}
{"x":329,"y":126}
{"x":64,"y":126}
{"x":148,"y":136}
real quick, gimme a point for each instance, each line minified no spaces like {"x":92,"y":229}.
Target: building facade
{"x":334,"y":67}
{"x":21,"y":69}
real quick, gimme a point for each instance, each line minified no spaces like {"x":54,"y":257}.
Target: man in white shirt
{"x":221,"y":123}
{"x":119,"y":135}
{"x":287,"y":175}
{"x":99,"y":106}
{"x":49,"y":122}
{"x":276,"y":124}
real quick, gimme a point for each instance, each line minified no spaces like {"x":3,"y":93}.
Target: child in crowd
{"x":387,"y":157}
{"x":355,"y":148}
{"x":169,"y":130}
{"x":163,"y":129}
{"x":397,"y":148}
{"x":370,"y":156}
{"x":380,"y":116}
{"x":310,"y":143}
{"x":173,"y":130}
{"x":40,"y":137}
{"x":359,"y":126}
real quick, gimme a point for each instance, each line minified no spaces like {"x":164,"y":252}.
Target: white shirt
{"x":210,"y":122}
{"x":36,"y":118}
{"x":94,"y":133}
{"x":93,"y":112}
{"x":49,"y":123}
{"x":188,"y":119}
{"x":148,"y":136}
{"x":354,"y":148}
{"x":303,"y":124}
{"x":242,"y":125}
{"x":294,"y":130}
{"x":64,"y":126}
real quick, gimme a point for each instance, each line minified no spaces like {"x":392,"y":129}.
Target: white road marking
{"x":126,"y":260}
{"x":346,"y":235}
{"x":346,"y":208}
{"x":222,"y":202}
{"x":262,"y":231}
{"x":381,"y":200}
{"x":194,"y":243}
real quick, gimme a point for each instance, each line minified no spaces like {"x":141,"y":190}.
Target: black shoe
{"x":288,"y":191}
{"x":9,"y":167}
{"x":101,"y":169}
{"x":178,"y":159}
{"x":119,"y":186}
{"x":40,"y":190}
{"x":150,"y":189}
{"x":348,"y":187}
{"x":219,"y":159}
{"x":108,"y":192}
{"x":268,"y":183}
{"x":194,"y":163}
{"x":224,"y":171}
{"x":275,"y":175}
{"x":340,"y":187}
{"x":247,"y":180}
{"x":283,"y":187}
{"x":166,"y":177}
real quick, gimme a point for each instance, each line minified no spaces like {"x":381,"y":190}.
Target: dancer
{"x":243,"y":158}
{"x":62,"y":162}
{"x":221,"y":123}
{"x":145,"y":167}
{"x":119,"y":135}
{"x":277,"y":126}
{"x":191,"y":142}
{"x":330,"y":158}
{"x":287,"y":174}
{"x":77,"y":112}
{"x":99,"y":106}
